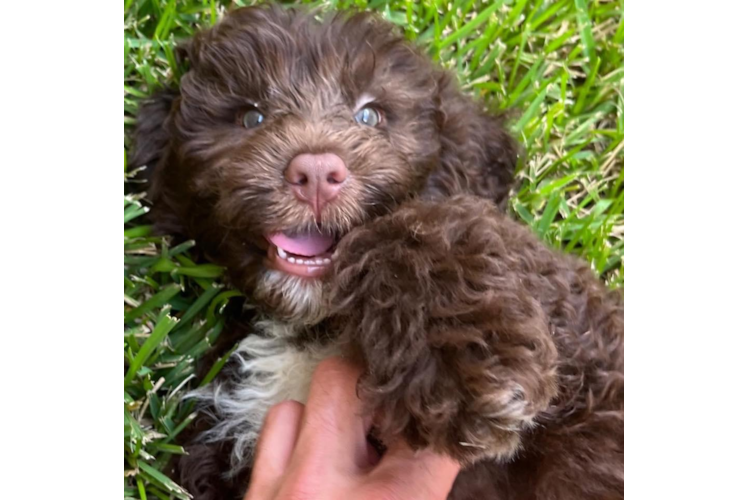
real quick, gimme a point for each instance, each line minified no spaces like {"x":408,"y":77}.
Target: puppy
{"x":355,"y":195}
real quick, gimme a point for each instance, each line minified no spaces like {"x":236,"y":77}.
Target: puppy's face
{"x":287,"y":133}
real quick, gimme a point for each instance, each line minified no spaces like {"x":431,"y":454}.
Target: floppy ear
{"x":151,"y":137}
{"x":478,"y":155}
{"x":150,"y":150}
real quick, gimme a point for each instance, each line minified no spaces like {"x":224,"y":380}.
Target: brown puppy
{"x":353,"y":194}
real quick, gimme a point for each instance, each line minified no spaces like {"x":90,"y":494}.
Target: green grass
{"x":557,"y":65}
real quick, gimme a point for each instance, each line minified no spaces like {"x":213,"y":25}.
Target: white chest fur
{"x":271,"y":370}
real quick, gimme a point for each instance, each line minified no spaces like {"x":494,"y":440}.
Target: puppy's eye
{"x":252,"y":118}
{"x":369,"y":117}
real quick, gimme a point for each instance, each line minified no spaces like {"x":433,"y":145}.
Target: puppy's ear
{"x":478,"y":155}
{"x":151,"y":150}
{"x":151,"y":137}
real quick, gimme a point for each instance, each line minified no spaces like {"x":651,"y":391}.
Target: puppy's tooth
{"x":282,"y":253}
{"x":292,"y":260}
{"x":319,"y":262}
{"x":326,"y":260}
{"x":309,"y":262}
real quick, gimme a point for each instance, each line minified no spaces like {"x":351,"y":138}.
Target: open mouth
{"x":302,"y":253}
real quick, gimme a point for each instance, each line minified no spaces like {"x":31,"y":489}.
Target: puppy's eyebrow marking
{"x":363,"y":100}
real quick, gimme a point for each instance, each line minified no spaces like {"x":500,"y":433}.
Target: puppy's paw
{"x":457,"y":353}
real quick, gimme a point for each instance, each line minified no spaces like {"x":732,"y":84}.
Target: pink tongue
{"x":307,"y":244}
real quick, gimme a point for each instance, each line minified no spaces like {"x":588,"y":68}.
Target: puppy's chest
{"x":268,"y":369}
{"x":274,"y":369}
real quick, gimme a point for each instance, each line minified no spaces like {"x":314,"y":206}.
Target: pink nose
{"x":316,"y":179}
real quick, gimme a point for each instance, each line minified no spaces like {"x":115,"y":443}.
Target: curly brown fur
{"x":480,"y":342}
{"x":477,"y":340}
{"x":433,"y":300}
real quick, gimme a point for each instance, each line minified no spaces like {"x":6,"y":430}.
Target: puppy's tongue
{"x":306,"y":243}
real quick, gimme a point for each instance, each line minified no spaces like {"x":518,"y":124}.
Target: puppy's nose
{"x":316,"y":179}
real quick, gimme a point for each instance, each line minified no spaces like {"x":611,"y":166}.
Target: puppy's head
{"x":288,"y":131}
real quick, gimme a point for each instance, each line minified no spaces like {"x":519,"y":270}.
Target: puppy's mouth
{"x":306,"y":253}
